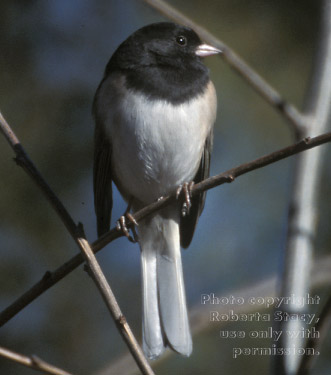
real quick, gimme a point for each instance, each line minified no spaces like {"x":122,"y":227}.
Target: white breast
{"x":156,"y":145}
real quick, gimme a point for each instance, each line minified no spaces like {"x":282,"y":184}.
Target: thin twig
{"x":32,"y":362}
{"x":23,"y":160}
{"x":51,"y":278}
{"x":77,"y":234}
{"x":107,"y":294}
{"x":296,"y":120}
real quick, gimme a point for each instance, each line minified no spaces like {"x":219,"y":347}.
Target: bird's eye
{"x":181,"y":40}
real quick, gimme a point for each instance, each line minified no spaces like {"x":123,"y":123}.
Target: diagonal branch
{"x":32,"y":362}
{"x":51,"y":278}
{"x":295,"y":119}
{"x":77,"y":233}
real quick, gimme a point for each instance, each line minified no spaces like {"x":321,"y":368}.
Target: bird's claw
{"x":185,"y":188}
{"x":121,"y":226}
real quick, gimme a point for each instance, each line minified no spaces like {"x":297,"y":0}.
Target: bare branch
{"x":296,"y":120}
{"x":32,"y":362}
{"x":110,"y":300}
{"x":302,"y":223}
{"x":51,"y":278}
{"x":23,"y":160}
{"x":77,"y":234}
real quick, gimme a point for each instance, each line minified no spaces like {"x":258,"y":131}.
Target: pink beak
{"x":206,"y":50}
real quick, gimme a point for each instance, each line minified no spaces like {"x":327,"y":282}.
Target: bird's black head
{"x":163,"y":60}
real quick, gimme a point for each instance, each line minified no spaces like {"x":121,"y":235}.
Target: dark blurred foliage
{"x":52,"y":58}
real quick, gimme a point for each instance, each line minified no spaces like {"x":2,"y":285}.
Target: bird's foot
{"x":122,"y":226}
{"x":186,"y":189}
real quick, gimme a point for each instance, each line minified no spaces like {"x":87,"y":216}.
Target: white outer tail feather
{"x":165,"y":320}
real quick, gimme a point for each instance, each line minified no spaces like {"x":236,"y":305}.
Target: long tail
{"x":165,"y":321}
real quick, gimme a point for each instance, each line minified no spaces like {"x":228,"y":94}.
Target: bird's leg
{"x":121,"y":224}
{"x":186,"y":189}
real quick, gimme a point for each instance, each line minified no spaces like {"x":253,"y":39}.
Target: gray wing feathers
{"x":102,"y":181}
{"x":189,"y":222}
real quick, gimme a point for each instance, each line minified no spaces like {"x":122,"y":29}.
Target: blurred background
{"x":52,"y":58}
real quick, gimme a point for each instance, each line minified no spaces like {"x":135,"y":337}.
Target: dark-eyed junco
{"x":154,"y":113}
